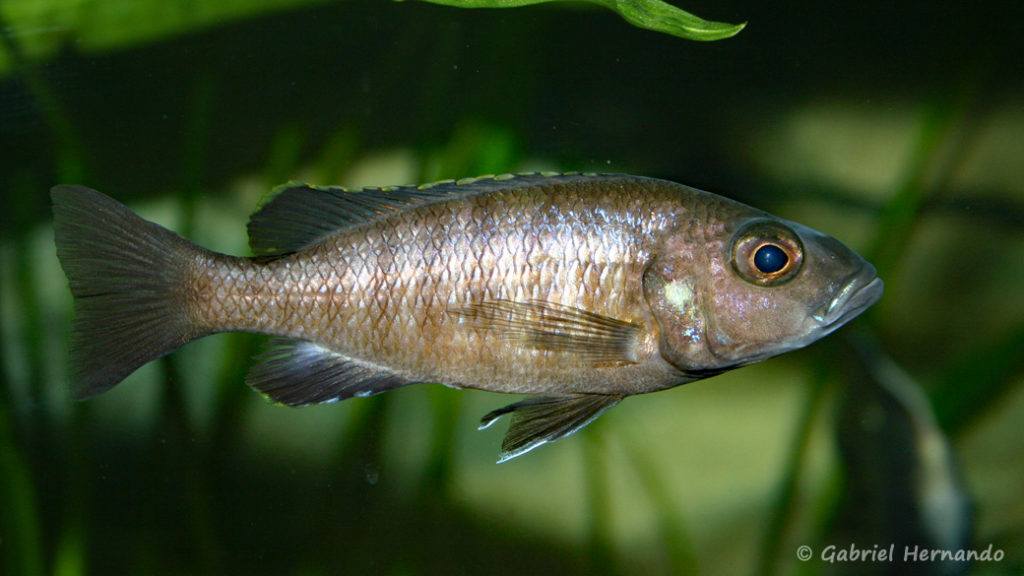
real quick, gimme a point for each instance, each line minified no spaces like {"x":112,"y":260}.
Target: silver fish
{"x":576,"y":289}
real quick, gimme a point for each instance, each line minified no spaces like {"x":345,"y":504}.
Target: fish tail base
{"x":128,"y":280}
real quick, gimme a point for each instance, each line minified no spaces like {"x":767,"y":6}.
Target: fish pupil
{"x":769,"y":259}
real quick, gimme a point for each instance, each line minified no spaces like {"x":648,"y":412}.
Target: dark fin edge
{"x":544,"y":419}
{"x":297,"y":215}
{"x":127,"y":277}
{"x":300,"y":373}
{"x":558,"y":328}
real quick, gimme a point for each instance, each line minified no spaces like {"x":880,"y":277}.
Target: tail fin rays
{"x":128,"y":279}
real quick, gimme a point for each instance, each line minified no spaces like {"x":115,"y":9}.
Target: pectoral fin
{"x":558,"y":328}
{"x":536,"y":421}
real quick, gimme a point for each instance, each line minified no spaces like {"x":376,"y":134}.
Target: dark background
{"x":895,"y":126}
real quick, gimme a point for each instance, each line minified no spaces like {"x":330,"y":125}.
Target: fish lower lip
{"x":854,"y":298}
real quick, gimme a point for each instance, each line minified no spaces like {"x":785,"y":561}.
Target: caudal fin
{"x":127,"y":277}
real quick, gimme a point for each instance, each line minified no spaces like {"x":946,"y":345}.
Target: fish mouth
{"x":859,"y":293}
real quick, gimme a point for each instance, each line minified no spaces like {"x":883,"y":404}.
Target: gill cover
{"x":676,"y":300}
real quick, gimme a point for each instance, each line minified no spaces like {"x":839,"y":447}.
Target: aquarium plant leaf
{"x":648,"y":14}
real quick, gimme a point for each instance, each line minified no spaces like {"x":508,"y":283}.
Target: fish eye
{"x":767,"y":253}
{"x":770,"y":258}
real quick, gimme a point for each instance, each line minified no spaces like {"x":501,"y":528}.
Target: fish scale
{"x":576,"y":289}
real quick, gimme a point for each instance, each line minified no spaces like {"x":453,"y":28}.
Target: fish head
{"x":736,"y":290}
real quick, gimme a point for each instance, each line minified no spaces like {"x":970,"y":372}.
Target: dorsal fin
{"x":298,"y":215}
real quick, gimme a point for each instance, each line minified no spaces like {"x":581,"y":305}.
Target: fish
{"x":575,"y":290}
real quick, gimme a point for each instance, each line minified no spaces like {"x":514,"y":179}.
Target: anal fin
{"x":544,"y":419}
{"x":299,"y":373}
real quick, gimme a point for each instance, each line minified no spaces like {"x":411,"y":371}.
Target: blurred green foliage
{"x":910,"y":153}
{"x":649,"y":14}
{"x":43,"y":28}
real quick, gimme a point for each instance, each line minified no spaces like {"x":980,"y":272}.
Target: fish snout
{"x":857,"y":294}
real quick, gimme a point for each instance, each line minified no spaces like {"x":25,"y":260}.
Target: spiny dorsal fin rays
{"x":544,"y":419}
{"x":298,"y":215}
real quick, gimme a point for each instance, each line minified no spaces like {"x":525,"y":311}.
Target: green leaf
{"x":649,"y":14}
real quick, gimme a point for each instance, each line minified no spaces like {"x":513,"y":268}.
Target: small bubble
{"x":372,"y":474}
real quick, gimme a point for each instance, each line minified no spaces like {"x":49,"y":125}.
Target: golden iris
{"x":767,"y":253}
